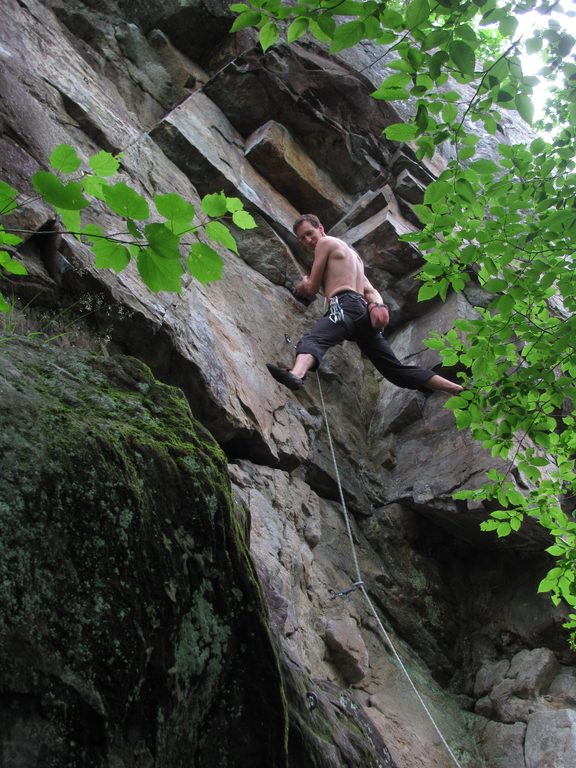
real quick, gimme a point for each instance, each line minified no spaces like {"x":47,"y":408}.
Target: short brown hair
{"x":311,"y":218}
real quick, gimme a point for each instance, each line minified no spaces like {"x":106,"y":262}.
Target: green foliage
{"x":506,"y":225}
{"x":161,"y":249}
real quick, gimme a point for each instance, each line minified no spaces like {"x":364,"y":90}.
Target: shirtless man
{"x":356,"y":312}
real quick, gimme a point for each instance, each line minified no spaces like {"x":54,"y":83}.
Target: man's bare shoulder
{"x":333,"y":243}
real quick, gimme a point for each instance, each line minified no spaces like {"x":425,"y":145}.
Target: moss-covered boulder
{"x":132,"y":628}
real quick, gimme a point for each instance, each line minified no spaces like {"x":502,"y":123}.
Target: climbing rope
{"x":359,"y":584}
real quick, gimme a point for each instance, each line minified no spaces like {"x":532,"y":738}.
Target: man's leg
{"x":379,"y":351}
{"x":310,"y":350}
{"x":302,"y":364}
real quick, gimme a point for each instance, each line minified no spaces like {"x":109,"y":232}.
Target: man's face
{"x":309,"y":235}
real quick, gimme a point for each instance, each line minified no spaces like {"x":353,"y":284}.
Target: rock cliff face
{"x":137,"y":631}
{"x":133,"y":626}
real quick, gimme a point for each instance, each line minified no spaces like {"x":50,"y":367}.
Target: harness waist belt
{"x":347,"y":293}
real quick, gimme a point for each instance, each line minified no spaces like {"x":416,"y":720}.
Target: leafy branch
{"x":155,"y":240}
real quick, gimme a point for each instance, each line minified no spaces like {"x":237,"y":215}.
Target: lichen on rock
{"x":132,"y":622}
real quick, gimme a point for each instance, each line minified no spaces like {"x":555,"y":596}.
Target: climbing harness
{"x":359,"y":584}
{"x":336,"y":311}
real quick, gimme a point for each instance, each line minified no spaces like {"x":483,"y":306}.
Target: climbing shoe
{"x":285,"y":377}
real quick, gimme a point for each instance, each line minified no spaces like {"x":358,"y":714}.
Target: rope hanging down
{"x":359,"y":584}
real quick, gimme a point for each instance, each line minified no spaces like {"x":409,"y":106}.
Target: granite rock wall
{"x":196,"y":110}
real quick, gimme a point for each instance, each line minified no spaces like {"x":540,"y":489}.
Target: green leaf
{"x":456,"y":402}
{"x":234,"y":204}
{"x":503,"y":529}
{"x":11,"y":265}
{"x":495,"y":284}
{"x":67,"y":196}
{"x":425,"y":81}
{"x":126,"y":202}
{"x":246,"y":19}
{"x":8,"y":196}
{"x":318,"y":32}
{"x":437,"y":63}
{"x":386,"y":38}
{"x":65,"y":159}
{"x":71,"y":221}
{"x":243,"y":220}
{"x":547,"y":585}
{"x":268,"y":35}
{"x":449,"y":113}
{"x":133,"y":229}
{"x":214,"y":205}
{"x":436,"y":191}
{"x":485,"y":167}
{"x":466,"y":153}
{"x":347,"y":35}
{"x":435,"y":39}
{"x":490,"y":124}
{"x":326,"y":24}
{"x":417,"y":12}
{"x":463,"y":56}
{"x":525,"y":107}
{"x":110,"y":255}
{"x":296,"y":29}
{"x":556,"y":550}
{"x":173,"y":206}
{"x":489,"y":525}
{"x":505,"y":96}
{"x":4,"y":306}
{"x":506,"y":304}
{"x":397,"y":80}
{"x":8,"y":238}
{"x":93,"y":231}
{"x":428,"y":291}
{"x":533,"y":45}
{"x":390,"y":94}
{"x":220,"y":233}
{"x":204,"y":263}
{"x":159,"y":274}
{"x":508,"y":26}
{"x":162,"y":241}
{"x":393,"y":87}
{"x":402,"y":66}
{"x":93,"y":186}
{"x":104,"y":164}
{"x":401,"y":132}
{"x":565,"y":44}
{"x":391,"y":19}
{"x":465,"y":190}
{"x":424,"y":213}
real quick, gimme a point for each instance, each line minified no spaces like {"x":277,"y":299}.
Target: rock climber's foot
{"x":440,"y":384}
{"x":285,"y":377}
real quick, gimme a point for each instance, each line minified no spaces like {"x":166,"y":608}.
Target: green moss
{"x":202,"y":644}
{"x":125,"y":565}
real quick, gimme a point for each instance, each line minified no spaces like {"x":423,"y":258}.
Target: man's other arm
{"x":370,"y":293}
{"x":309,"y":286}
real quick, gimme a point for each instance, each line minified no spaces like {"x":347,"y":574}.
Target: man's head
{"x":308,"y":230}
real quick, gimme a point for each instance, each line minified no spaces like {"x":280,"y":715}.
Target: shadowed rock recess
{"x":172,"y":533}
